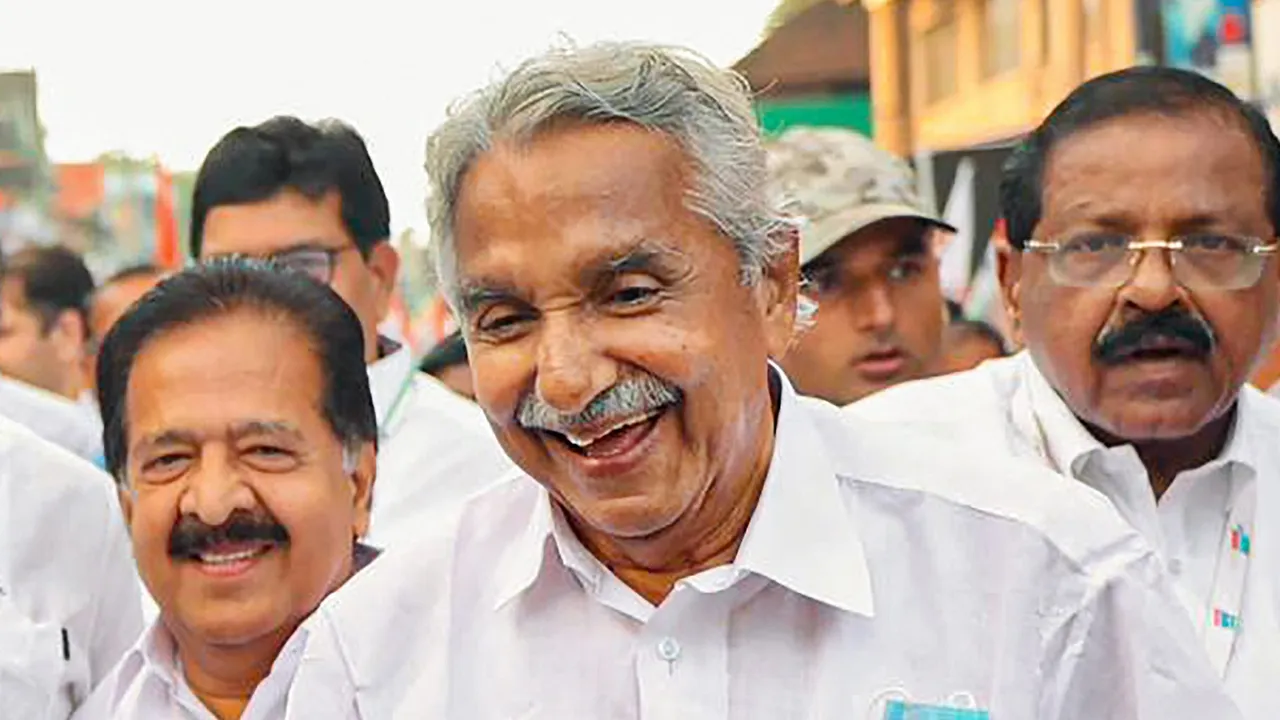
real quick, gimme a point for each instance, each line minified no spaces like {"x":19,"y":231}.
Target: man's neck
{"x":224,"y":677}
{"x":707,"y":537}
{"x":1165,"y":459}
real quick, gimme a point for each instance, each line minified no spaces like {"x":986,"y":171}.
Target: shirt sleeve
{"x":117,"y":612}
{"x":1129,"y":653}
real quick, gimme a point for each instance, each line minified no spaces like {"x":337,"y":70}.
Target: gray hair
{"x":675,"y":91}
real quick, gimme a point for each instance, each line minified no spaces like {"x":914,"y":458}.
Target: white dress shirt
{"x":435,"y":449}
{"x":875,"y":568}
{"x":66,"y":423}
{"x":68,"y":593}
{"x":149,"y":684}
{"x":1008,"y":407}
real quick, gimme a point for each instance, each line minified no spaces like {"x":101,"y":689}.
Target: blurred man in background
{"x":447,"y":362}
{"x":241,"y":428}
{"x":309,"y":197}
{"x":1143,"y":278}
{"x":117,"y":293}
{"x":44,"y":333}
{"x":112,"y":298}
{"x":868,"y":253}
{"x":966,"y":344}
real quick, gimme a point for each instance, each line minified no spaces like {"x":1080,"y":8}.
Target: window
{"x":1001,"y":41}
{"x":941,"y":56}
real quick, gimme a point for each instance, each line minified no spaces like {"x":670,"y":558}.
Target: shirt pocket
{"x":32,"y":666}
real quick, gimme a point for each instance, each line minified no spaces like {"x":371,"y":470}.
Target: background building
{"x":813,"y":67}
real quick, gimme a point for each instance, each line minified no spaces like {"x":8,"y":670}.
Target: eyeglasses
{"x":1211,"y":261}
{"x":317,"y":262}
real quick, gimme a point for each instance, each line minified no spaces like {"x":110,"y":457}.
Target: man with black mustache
{"x":1143,"y":216}
{"x":240,"y":427}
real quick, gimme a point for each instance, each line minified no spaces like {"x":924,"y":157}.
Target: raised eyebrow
{"x":643,"y":255}
{"x":474,"y":295}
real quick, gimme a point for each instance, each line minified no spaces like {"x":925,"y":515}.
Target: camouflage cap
{"x":839,"y":182}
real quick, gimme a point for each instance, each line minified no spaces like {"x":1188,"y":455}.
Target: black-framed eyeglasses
{"x":317,"y":262}
{"x":1214,"y":261}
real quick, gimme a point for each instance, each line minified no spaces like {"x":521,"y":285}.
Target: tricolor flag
{"x":1240,"y":540}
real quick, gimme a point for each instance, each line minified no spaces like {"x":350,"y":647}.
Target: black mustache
{"x":1116,"y":345}
{"x":191,"y":537}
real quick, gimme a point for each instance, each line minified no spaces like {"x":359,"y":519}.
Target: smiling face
{"x":880,"y":314}
{"x":1151,"y":177}
{"x":611,"y":319}
{"x":241,"y":510}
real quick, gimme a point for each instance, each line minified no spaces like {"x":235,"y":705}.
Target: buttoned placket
{"x":682,"y":653}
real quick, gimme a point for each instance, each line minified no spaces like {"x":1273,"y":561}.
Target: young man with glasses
{"x":1142,"y":216}
{"x":308,"y":197}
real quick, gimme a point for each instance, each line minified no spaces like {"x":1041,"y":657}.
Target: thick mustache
{"x":1116,"y":345}
{"x":191,"y":537}
{"x":630,"y":397}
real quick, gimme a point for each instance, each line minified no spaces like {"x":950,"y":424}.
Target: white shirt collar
{"x":155,"y":658}
{"x":800,"y":535}
{"x":1069,"y":446}
{"x":387,"y":378}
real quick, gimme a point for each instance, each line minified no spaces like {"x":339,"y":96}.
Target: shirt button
{"x":668,"y":649}
{"x":1175,"y":566}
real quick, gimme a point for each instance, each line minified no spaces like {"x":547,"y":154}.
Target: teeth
{"x":228,"y":558}
{"x":583,"y":441}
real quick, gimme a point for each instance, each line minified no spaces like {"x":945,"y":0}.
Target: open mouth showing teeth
{"x":228,"y":558}
{"x":611,"y":439}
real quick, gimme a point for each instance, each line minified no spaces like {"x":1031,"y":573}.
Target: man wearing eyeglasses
{"x":1142,"y":216}
{"x":308,"y":197}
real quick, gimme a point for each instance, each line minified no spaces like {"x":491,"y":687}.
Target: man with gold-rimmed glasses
{"x":1142,"y":276}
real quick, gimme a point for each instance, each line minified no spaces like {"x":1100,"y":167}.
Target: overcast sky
{"x":168,"y":78}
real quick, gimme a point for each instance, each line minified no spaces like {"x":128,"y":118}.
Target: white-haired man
{"x":689,"y":537}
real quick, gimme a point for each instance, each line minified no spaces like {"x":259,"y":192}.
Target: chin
{"x":631,"y":518}
{"x":1157,"y":421}
{"x":224,"y":623}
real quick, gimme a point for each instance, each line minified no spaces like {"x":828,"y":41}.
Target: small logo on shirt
{"x":1240,"y":540}
{"x":899,"y":710}
{"x":1226,"y":620}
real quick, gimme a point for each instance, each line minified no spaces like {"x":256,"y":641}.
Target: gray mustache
{"x":628,"y":398}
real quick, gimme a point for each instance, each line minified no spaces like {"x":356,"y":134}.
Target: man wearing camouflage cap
{"x":867,"y":251}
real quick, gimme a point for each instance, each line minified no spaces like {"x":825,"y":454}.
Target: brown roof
{"x":826,"y":46}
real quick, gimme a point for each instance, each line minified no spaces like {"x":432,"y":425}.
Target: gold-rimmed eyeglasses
{"x":1215,"y":261}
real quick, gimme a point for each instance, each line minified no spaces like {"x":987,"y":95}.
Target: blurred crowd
{"x":710,"y":440}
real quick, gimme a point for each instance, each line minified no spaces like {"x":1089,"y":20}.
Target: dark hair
{"x":252,"y":164}
{"x":450,"y":351}
{"x":54,"y":280}
{"x":140,"y":270}
{"x":222,"y":287}
{"x":955,"y":312}
{"x":980,"y":330}
{"x":1134,"y":91}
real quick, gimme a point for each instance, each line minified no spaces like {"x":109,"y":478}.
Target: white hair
{"x":706,"y":110}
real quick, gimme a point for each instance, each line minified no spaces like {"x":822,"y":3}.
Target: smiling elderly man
{"x":1144,"y":214}
{"x":689,"y":537}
